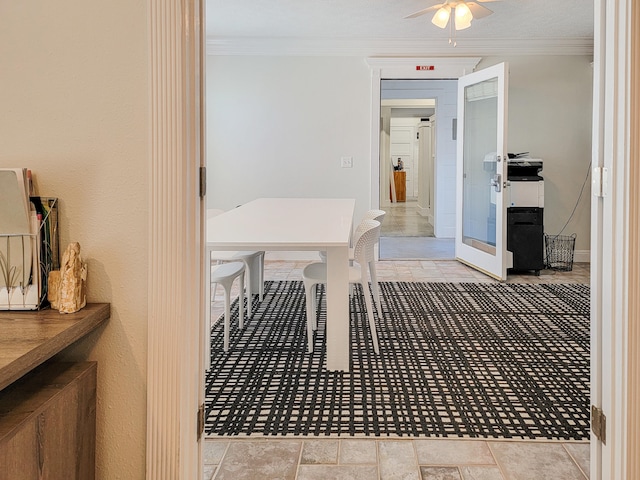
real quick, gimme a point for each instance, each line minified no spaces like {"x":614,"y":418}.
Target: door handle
{"x":496,"y":182}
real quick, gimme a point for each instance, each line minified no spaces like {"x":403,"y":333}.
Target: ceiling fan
{"x":463,"y":11}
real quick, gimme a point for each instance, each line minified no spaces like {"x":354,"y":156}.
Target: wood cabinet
{"x":47,"y":408}
{"x":48,"y":424}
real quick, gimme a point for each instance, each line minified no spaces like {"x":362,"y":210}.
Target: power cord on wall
{"x":577,"y":201}
{"x":559,"y":250}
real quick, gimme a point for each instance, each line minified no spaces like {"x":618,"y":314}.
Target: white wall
{"x":277,"y":126}
{"x":74,"y":96}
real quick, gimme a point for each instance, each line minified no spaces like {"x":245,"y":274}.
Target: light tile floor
{"x":434,"y":271}
{"x":405,"y":234}
{"x":392,"y":458}
{"x":402,"y":219}
{"x":299,"y":458}
{"x":412,"y":248}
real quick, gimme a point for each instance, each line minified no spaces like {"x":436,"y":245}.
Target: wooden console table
{"x":400,"y":181}
{"x":47,"y":409}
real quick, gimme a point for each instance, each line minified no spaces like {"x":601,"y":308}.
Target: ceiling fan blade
{"x":424,"y":10}
{"x":478,"y":11}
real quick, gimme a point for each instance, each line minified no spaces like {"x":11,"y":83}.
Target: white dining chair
{"x":374,"y":215}
{"x":377,"y":215}
{"x":316,"y":273}
{"x":253,"y":260}
{"x":224,"y":274}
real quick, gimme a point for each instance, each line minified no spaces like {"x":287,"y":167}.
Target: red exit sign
{"x":425,"y":67}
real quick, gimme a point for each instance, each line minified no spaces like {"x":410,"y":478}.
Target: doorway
{"x":417,"y":169}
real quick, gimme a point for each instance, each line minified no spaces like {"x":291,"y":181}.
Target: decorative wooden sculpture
{"x":67,"y":291}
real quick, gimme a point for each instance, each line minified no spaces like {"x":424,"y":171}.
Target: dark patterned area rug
{"x":456,"y":360}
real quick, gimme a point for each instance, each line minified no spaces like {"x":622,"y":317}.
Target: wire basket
{"x":559,"y":250}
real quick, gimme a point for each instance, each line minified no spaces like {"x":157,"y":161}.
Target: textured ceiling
{"x":381,"y":20}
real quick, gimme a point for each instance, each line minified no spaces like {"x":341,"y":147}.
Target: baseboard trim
{"x":582,"y":256}
{"x":425,"y":212}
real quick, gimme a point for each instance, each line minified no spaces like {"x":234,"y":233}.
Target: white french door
{"x":481,"y":171}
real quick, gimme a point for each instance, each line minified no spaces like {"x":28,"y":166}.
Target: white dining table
{"x":298,"y":224}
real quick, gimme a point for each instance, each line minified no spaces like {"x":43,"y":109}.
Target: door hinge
{"x":200,"y":425}
{"x":599,"y":424}
{"x":203,"y":181}
{"x":600,"y":181}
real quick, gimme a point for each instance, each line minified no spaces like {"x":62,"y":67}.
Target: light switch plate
{"x":346,"y":162}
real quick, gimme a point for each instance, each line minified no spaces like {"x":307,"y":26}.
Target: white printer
{"x":526,"y":186}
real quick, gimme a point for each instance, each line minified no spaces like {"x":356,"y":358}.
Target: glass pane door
{"x":481,"y":169}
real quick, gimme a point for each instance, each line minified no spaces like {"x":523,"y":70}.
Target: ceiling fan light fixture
{"x":441,"y":17}
{"x":463,"y":16}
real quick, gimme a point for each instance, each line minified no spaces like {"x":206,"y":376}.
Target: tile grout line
{"x":575,"y":461}
{"x":219,"y":465}
{"x":495,"y":459}
{"x":299,"y":460}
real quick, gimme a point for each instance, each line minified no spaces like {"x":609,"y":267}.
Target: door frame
{"x":175,"y":290}
{"x":416,"y":68}
{"x":615,"y":254}
{"x":608,"y":53}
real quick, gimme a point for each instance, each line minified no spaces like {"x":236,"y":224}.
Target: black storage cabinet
{"x":525,"y":238}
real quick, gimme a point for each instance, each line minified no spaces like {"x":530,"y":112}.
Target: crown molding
{"x":372,"y":47}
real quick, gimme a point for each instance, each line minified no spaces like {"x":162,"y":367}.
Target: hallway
{"x":406,"y":235}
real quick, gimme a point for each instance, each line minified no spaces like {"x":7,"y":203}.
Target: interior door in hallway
{"x":403,"y":147}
